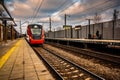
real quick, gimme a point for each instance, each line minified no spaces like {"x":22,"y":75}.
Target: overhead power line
{"x":95,"y":7}
{"x":65,"y":8}
{"x":37,"y":10}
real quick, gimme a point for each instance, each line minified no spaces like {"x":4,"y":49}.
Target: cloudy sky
{"x":39,"y":11}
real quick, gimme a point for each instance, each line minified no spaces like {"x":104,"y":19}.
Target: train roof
{"x":34,"y":24}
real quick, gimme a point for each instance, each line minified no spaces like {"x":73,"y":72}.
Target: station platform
{"x":21,"y":63}
{"x":86,"y":41}
{"x":5,"y":46}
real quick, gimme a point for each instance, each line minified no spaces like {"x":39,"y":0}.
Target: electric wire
{"x":37,"y":10}
{"x":93,"y":7}
{"x":65,"y":8}
{"x":110,"y":4}
{"x":86,"y":11}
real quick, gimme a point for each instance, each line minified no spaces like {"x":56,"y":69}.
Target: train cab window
{"x":36,"y":29}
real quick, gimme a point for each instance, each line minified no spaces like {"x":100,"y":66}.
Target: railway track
{"x":63,"y":68}
{"x":99,"y":55}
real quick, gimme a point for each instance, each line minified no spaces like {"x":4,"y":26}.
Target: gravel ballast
{"x":109,"y":73}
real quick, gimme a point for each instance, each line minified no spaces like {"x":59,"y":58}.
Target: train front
{"x":36,"y":34}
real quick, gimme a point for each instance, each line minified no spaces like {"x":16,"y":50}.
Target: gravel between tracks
{"x":109,"y":73}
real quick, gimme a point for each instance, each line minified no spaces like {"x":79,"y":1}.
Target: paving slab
{"x":24,"y":64}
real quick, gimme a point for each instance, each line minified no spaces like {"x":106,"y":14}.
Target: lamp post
{"x":65,"y":24}
{"x":50,"y":23}
{"x":89,"y":34}
{"x":115,"y":17}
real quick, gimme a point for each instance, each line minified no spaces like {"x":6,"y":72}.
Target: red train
{"x":35,"y":34}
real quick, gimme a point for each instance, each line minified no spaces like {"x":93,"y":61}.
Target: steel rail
{"x":66,"y":61}
{"x":76,"y":65}
{"x":57,"y":75}
{"x":103,"y":56}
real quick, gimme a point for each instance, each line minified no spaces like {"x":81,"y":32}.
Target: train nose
{"x":36,"y":36}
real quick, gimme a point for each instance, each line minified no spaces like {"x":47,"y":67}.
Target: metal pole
{"x":65,"y":28}
{"x":65,"y":19}
{"x":5,"y":31}
{"x":11,"y":32}
{"x":81,"y":32}
{"x":86,"y":31}
{"x":102,"y":32}
{"x":0,"y":32}
{"x":78,"y":33}
{"x":89,"y":27}
{"x":20,"y":29}
{"x":115,"y":17}
{"x":54,"y":33}
{"x":93,"y":29}
{"x":71,"y":32}
{"x":50,"y":23}
{"x":89,"y":35}
{"x":113,"y":29}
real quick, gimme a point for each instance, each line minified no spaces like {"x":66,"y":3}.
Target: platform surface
{"x":23,"y":64}
{"x":5,"y":46}
{"x":93,"y":41}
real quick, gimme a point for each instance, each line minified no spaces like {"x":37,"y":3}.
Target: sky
{"x":77,"y":11}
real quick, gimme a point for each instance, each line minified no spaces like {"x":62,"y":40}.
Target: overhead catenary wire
{"x":96,"y":8}
{"x":37,"y":10}
{"x":101,"y":5}
{"x":93,"y":7}
{"x":86,"y":11}
{"x":65,"y":8}
{"x":105,"y":5}
{"x":64,"y":4}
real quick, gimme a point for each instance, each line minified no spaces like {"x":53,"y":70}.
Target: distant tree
{"x":96,"y":18}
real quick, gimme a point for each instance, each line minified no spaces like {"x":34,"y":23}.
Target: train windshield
{"x":36,"y":30}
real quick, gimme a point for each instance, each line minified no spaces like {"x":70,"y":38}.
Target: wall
{"x":105,"y":30}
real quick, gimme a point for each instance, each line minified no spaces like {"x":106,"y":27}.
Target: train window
{"x":36,"y":31}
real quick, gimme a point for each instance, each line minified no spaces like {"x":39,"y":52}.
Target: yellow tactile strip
{"x":5,"y":57}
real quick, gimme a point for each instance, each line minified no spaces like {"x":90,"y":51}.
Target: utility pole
{"x":50,"y":23}
{"x":89,"y":35}
{"x":65,"y":29}
{"x":54,"y":32}
{"x":65,"y":18}
{"x":115,"y":16}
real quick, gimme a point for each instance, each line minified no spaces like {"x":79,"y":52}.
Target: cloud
{"x":78,"y":10}
{"x":21,"y":10}
{"x":44,"y":19}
